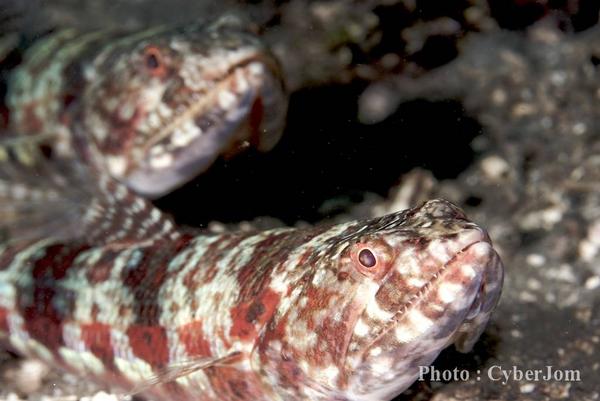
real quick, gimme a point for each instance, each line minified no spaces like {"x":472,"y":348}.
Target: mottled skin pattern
{"x":159,"y":105}
{"x":347,"y":312}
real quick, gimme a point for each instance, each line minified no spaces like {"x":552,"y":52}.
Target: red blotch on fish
{"x":149,"y":343}
{"x":193,"y":339}
{"x":251,"y":315}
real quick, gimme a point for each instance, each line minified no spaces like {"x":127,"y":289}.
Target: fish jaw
{"x":162,"y":108}
{"x":253,"y":118}
{"x":450,"y":305}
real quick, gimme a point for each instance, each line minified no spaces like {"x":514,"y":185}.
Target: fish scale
{"x":344,"y":312}
{"x":159,"y":105}
{"x":97,"y":281}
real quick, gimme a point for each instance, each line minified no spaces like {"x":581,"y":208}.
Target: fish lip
{"x":263,"y":58}
{"x":478,"y":315}
{"x":436,"y":277}
{"x":273,"y":78}
{"x":200,"y":152}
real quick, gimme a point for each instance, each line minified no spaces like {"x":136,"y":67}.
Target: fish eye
{"x":153,"y":61}
{"x":371,"y":257}
{"x":367,"y":258}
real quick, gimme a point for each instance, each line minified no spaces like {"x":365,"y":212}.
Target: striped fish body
{"x":159,"y":105}
{"x":347,"y":312}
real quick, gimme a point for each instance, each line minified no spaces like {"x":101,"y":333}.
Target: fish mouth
{"x":454,"y":306}
{"x":463,"y":257}
{"x":484,"y":303}
{"x":245,"y":108}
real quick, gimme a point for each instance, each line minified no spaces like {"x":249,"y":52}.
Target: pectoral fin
{"x":184,"y":368}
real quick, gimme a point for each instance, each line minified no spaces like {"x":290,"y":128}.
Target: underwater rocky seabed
{"x":492,"y":105}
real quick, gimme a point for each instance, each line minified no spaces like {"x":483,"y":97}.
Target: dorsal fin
{"x":44,"y":195}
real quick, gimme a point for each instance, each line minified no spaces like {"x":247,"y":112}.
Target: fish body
{"x":159,"y":105}
{"x":346,"y":312}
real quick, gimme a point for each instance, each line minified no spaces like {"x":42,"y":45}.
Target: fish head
{"x":440,"y":281}
{"x":384,"y":298}
{"x":162,"y":105}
